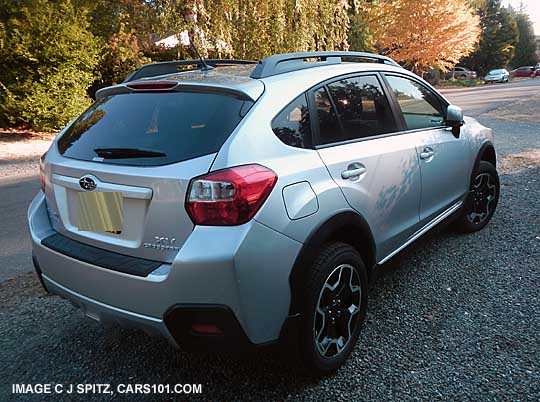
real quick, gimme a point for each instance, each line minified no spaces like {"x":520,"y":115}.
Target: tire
{"x":482,"y":200}
{"x":339,"y":265}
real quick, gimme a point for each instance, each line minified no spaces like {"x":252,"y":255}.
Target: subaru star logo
{"x":87,"y":183}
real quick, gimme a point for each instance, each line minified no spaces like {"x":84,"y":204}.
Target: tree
{"x":498,"y":38}
{"x":525,"y":54}
{"x":121,"y":54}
{"x":421,"y":34}
{"x":47,"y":59}
{"x":254,"y":29}
{"x":359,"y":35}
{"x":124,"y":29}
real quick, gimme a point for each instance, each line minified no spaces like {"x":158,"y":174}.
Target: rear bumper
{"x":105,"y":313}
{"x":235,"y":268}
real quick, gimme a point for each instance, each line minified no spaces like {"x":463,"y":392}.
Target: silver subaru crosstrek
{"x":248,"y":204}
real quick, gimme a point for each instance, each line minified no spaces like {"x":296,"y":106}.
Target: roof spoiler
{"x":170,"y":86}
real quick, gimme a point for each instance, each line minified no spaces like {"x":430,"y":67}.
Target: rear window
{"x":151,"y":129}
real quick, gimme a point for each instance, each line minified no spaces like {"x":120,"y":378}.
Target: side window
{"x":292,"y":124}
{"x":362,"y":107}
{"x":329,"y":129}
{"x":420,"y":107}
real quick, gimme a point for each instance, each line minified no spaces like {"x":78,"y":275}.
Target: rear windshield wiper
{"x":126,"y":153}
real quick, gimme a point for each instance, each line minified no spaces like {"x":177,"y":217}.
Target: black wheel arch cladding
{"x":348,"y":227}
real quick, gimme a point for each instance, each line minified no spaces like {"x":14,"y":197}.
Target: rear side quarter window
{"x":292,"y":125}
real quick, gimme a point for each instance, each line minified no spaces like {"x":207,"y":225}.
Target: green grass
{"x":461,"y":83}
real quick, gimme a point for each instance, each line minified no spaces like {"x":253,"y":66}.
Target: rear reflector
{"x":152,"y":85}
{"x":206,"y":329}
{"x":229,"y":197}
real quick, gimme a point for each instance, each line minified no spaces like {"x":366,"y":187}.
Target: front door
{"x":445,"y":177}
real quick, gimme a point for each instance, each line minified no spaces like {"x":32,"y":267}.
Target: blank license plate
{"x":101,"y":211}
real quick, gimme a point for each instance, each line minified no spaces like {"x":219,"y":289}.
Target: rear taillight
{"x":229,"y":197}
{"x":42,"y":178}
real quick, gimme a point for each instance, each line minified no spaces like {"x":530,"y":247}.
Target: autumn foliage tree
{"x":421,"y":34}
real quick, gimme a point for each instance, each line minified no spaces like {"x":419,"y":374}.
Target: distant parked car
{"x":500,"y":75}
{"x":461,"y":73}
{"x":526,"y":71}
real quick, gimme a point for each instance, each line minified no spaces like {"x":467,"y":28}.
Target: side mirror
{"x":454,"y":119}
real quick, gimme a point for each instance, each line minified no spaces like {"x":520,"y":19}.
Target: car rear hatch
{"x":117,"y":177}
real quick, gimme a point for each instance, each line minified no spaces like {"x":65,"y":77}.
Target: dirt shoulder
{"x":20,"y":150}
{"x":520,"y":162}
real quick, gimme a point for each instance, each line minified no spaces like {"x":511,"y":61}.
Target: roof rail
{"x":283,"y":63}
{"x":171,"y":67}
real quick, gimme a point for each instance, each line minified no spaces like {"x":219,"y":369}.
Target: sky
{"x":533,"y":9}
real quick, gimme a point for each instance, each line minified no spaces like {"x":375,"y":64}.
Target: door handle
{"x":427,"y":153}
{"x":353,"y":171}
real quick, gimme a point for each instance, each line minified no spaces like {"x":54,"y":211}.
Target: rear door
{"x":445,"y":177}
{"x":377,"y":170}
{"x":144,"y":148}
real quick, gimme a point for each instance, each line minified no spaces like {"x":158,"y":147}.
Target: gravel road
{"x":455,"y":318}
